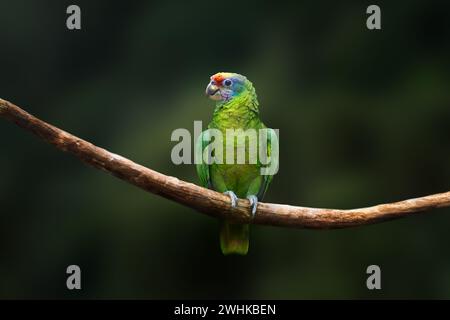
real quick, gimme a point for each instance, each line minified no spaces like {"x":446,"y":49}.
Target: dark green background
{"x":363,"y":118}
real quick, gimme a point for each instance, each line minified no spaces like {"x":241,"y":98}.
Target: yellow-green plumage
{"x":237,"y":108}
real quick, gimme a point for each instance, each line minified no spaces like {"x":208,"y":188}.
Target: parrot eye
{"x":227,"y":82}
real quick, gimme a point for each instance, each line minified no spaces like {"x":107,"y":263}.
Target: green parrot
{"x":236,"y":108}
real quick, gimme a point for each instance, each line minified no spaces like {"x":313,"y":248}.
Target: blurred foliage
{"x":363,"y":118}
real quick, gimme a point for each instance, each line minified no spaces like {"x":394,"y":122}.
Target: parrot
{"x":236,"y":108}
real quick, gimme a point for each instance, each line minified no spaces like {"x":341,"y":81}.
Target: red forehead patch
{"x":218,"y":78}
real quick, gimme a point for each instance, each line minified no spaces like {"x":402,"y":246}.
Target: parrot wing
{"x":273,"y":155}
{"x":202,"y":167}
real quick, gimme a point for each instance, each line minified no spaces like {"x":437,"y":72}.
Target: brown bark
{"x":210,"y":202}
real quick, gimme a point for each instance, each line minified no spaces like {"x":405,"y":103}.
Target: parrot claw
{"x":253,"y":203}
{"x":233,"y":198}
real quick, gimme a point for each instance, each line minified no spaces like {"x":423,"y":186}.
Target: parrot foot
{"x":253,"y":204}
{"x":233,"y":198}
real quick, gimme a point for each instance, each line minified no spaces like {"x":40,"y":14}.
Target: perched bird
{"x":236,"y":108}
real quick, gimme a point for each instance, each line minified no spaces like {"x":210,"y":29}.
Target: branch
{"x":208,"y":201}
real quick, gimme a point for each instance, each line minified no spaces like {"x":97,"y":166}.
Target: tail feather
{"x":234,"y":238}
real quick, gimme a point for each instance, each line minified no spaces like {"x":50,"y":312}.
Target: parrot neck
{"x":239,"y":112}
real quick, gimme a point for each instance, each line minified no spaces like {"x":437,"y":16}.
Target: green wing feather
{"x":202,"y":167}
{"x":272,"y":138}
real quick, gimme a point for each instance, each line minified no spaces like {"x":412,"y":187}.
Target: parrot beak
{"x":213,"y":92}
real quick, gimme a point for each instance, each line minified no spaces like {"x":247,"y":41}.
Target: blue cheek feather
{"x":236,"y":88}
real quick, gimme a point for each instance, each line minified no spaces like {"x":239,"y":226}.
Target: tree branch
{"x":208,"y":201}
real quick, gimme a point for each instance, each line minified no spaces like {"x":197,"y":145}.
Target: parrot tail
{"x":234,"y":238}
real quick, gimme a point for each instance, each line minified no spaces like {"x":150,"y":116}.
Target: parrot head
{"x":224,"y":86}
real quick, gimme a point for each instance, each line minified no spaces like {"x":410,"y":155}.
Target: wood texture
{"x":210,"y":202}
